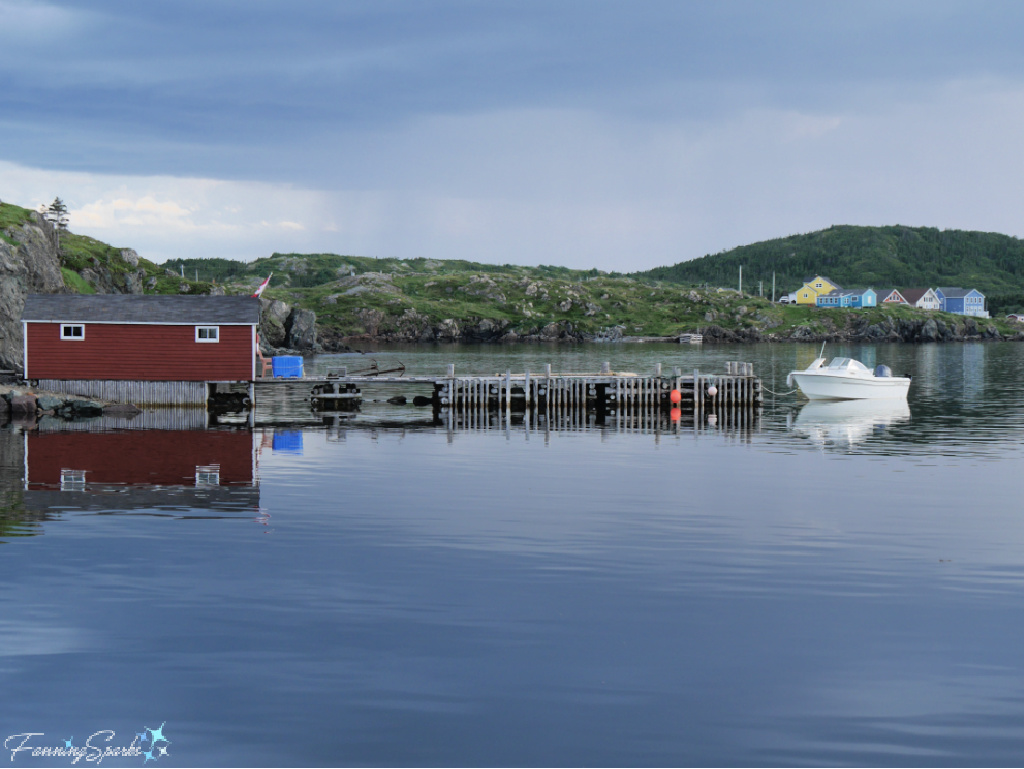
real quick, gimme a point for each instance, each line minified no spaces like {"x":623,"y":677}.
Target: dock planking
{"x":608,"y":392}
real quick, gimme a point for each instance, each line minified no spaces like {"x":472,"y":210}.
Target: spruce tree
{"x":57,"y":214}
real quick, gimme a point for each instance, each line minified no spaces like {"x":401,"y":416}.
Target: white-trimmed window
{"x":207,"y":333}
{"x":73,"y":332}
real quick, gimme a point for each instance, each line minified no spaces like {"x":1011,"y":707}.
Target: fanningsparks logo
{"x":149,"y":745}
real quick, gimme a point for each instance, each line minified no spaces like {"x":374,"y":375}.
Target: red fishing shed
{"x":146,"y":350}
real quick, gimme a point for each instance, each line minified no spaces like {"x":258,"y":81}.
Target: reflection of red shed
{"x":141,"y":338}
{"x":139,"y":457}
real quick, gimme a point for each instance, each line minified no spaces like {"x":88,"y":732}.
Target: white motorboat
{"x":846,"y":379}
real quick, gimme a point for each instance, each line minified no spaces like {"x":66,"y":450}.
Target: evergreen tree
{"x":57,"y":214}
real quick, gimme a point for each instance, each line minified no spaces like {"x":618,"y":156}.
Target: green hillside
{"x":876,"y":257}
{"x":310,"y":270}
{"x":90,"y":266}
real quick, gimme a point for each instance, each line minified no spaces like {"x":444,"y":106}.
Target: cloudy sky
{"x":617,"y":135}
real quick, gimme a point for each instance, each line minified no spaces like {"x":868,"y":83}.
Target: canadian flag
{"x":263,"y":285}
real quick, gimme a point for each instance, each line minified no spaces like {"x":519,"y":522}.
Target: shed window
{"x":72,"y":480}
{"x":207,"y":333}
{"x":72,"y":331}
{"x":207,"y":476}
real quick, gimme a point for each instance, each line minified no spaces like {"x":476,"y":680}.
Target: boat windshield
{"x":848,"y":364}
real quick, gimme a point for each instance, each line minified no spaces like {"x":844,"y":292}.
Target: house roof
{"x":958,"y":293}
{"x":849,"y":291}
{"x":136,"y":308}
{"x":824,"y":279}
{"x":913,"y":295}
{"x":887,"y":292}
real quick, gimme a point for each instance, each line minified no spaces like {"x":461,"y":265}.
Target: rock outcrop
{"x":29,"y":264}
{"x":284,"y":327}
{"x":106,"y":281}
{"x":413,"y":326}
{"x":860,"y":329}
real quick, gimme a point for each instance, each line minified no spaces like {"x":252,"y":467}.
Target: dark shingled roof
{"x":955,"y":292}
{"x":135,"y":308}
{"x":913,"y":295}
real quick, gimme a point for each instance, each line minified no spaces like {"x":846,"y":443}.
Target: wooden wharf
{"x":607,"y":392}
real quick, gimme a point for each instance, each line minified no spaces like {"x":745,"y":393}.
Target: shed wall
{"x":138,"y":353}
{"x":127,"y":391}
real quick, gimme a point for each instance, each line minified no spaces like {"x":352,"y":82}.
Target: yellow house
{"x":819,"y":284}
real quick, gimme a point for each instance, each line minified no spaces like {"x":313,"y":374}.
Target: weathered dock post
{"x":696,"y":395}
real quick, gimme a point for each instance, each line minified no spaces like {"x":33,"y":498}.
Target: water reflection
{"x":160,"y":472}
{"x":845,"y":423}
{"x":743,"y":422}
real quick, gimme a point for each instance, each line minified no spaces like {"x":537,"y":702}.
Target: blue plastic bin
{"x":288,"y":442}
{"x":288,"y":366}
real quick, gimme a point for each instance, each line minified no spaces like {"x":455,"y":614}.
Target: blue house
{"x":962,"y":301}
{"x":848,"y":297}
{"x":862,"y":297}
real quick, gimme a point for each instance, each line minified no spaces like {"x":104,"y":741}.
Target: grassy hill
{"x":308,"y":270}
{"x":391,"y":298}
{"x":90,"y":266}
{"x":876,"y":257}
{"x":352,"y":294}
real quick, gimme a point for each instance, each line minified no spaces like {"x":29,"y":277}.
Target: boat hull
{"x":824,"y":386}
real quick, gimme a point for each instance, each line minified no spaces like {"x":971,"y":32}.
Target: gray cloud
{"x":588,"y":133}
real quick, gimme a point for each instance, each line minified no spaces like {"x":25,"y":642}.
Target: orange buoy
{"x":675,"y":414}
{"x":675,"y":396}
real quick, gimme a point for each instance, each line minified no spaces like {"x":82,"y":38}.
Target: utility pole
{"x":741,"y":280}
{"x":773,"y":288}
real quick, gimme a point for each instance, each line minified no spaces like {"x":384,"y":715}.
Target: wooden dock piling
{"x":570,"y":399}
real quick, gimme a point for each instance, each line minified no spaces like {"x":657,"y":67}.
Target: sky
{"x":615,"y":135}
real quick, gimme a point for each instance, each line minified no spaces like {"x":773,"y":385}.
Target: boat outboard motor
{"x":883,"y":370}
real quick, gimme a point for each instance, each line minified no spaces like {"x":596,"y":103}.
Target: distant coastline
{"x":335,"y":303}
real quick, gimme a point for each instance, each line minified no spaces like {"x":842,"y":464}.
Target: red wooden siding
{"x":137,"y":352}
{"x":154,"y":457}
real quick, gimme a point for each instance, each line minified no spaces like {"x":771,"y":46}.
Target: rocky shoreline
{"x":28,"y":403}
{"x":412,"y":329}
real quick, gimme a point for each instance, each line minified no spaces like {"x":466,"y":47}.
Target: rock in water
{"x":23,"y":404}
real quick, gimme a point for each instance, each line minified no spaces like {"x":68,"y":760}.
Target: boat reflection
{"x":846,"y":423}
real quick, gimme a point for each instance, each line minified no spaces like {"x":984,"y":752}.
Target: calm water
{"x":839,"y":584}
